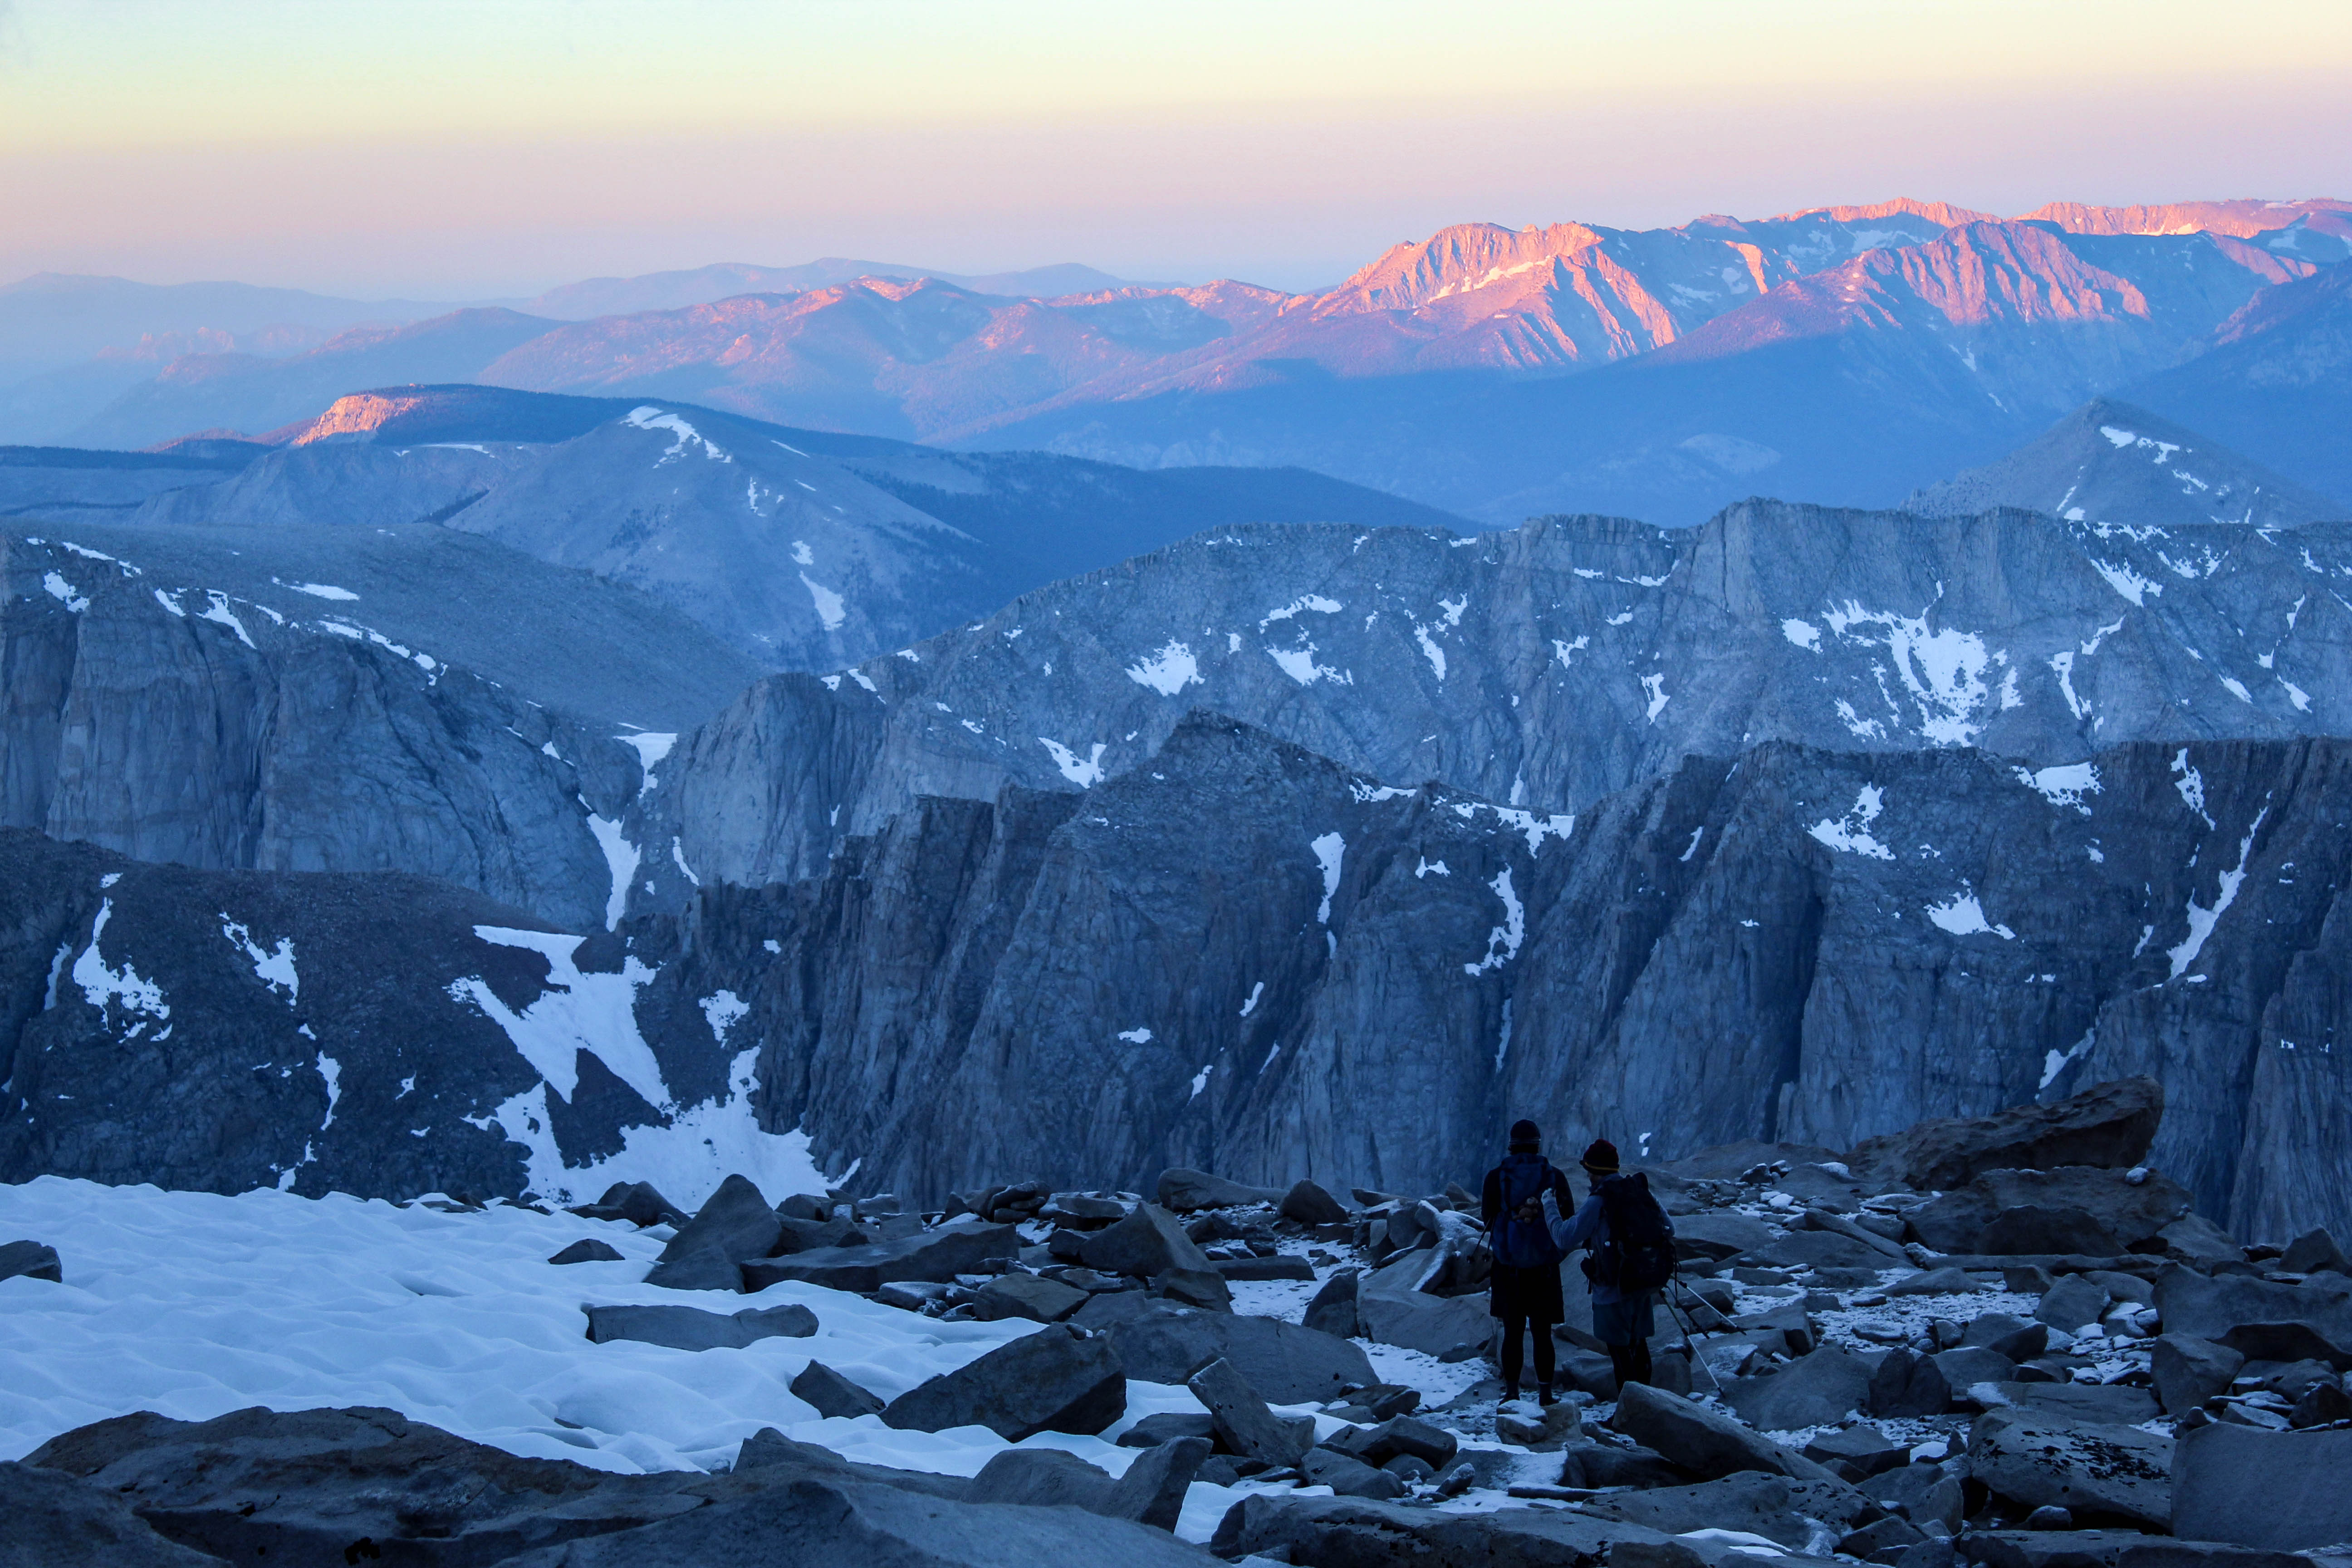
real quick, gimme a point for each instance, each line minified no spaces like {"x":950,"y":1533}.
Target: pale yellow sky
{"x":423,"y":147}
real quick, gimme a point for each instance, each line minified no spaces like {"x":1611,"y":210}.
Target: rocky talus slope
{"x":2052,"y":1360}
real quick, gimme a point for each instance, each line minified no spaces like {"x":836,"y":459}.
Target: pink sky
{"x":442,"y":151}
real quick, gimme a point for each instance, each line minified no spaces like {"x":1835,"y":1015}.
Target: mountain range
{"x":1845,"y":354}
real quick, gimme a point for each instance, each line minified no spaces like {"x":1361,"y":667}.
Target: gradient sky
{"x":446,"y":150}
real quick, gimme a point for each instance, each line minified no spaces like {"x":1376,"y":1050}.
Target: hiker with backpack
{"x":1523,"y":1291}
{"x":1629,"y":1257}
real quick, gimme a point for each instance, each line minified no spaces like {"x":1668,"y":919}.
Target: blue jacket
{"x":1588,"y":1227}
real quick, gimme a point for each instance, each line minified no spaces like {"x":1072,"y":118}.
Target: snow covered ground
{"x":193,"y":1304}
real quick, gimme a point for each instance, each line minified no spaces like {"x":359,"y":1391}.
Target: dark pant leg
{"x":1545,"y":1363}
{"x":1515,"y":1328}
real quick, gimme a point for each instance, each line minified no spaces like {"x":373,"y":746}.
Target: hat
{"x":1601,"y":1156}
{"x":1524,"y":1134}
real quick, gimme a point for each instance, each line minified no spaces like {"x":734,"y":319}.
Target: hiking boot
{"x":1543,"y":1394}
{"x":1510,"y":1395}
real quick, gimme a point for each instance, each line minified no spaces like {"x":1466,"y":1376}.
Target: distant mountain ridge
{"x":2110,"y":462}
{"x":1848,"y":353}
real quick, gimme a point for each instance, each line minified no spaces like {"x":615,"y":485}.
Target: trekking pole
{"x":1673,"y":1310}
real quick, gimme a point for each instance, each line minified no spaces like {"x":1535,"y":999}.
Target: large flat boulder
{"x":1390,"y":1310}
{"x":1704,"y":1442}
{"x":813,"y":1520}
{"x":959,"y":1246}
{"x":1147,"y":1243}
{"x":1055,"y":1380}
{"x":2109,"y":1124}
{"x":2288,"y":1491}
{"x":2261,"y":1319}
{"x":2081,"y":1209}
{"x":1185,"y":1192}
{"x":1816,"y":1390}
{"x":1310,"y":1205}
{"x":52,"y":1520}
{"x":1773,"y":1507}
{"x":2189,"y":1370}
{"x":2112,"y":1549}
{"x":1151,"y":1492}
{"x":2088,"y":1468}
{"x":303,"y":1486}
{"x":692,"y":1328}
{"x":1348,"y":1531}
{"x":1283,"y":1362}
{"x":1712,"y":1237}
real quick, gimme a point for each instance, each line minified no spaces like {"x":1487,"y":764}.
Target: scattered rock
{"x":1310,"y":1205}
{"x":32,"y":1261}
{"x":2109,"y":1124}
{"x":2281,"y":1490}
{"x":639,"y":1202}
{"x":960,"y":1246}
{"x":1347,"y":1475}
{"x":2260,"y":1319}
{"x":52,"y":1520}
{"x":770,"y":1450}
{"x":1050,"y":1381}
{"x":1963,"y":1368}
{"x":1810,"y":1249}
{"x":692,"y":1328}
{"x":2199,"y":1242}
{"x":736,"y":1222}
{"x":2313,"y":1251}
{"x":1185,"y":1192}
{"x":1166,"y":1427}
{"x":1772,"y":1507}
{"x":832,"y":1395}
{"x":1287,"y":1266}
{"x":1147,"y":1243}
{"x":1433,"y":1446}
{"x":2112,"y":1472}
{"x":2034,"y":1228}
{"x":796,"y":1234}
{"x":1391,"y":1311}
{"x":1944,"y":1281}
{"x":1333,"y":1309}
{"x":1702,"y":1441}
{"x":1717,"y":1236}
{"x":1029,"y":1296}
{"x":1906,"y":1384}
{"x":588,"y":1249}
{"x":1245,"y":1426}
{"x":1813,"y":1391}
{"x":2112,"y":1549}
{"x":2107,"y":1403}
{"x":1357,"y":1532}
{"x":1151,"y":1492}
{"x":1202,"y":1287}
{"x":2071,"y":1302}
{"x":2121,"y":1210}
{"x":1287,"y":1363}
{"x":1538,"y":1426}
{"x":1861,"y":1449}
{"x":708,"y":1269}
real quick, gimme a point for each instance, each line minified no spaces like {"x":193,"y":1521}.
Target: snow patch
{"x":218,"y":611}
{"x":1299,"y":664}
{"x":1429,"y":649}
{"x":63,"y":592}
{"x":101,"y":985}
{"x":1965,"y":916}
{"x":1085,"y":775}
{"x":1805,"y":633}
{"x":273,"y":967}
{"x":650,"y":418}
{"x":1305,"y":602}
{"x":830,"y":610}
{"x":2127,"y":582}
{"x":1943,"y":670}
{"x":1502,"y":941}
{"x":2063,"y":785}
{"x":1655,"y":685}
{"x":620,"y":857}
{"x":1851,"y":832}
{"x":590,"y":1012}
{"x":1168,"y":670}
{"x":1135,"y":1037}
{"x":1329,"y":849}
{"x":1250,"y":1007}
{"x":2202,"y":920}
{"x":319,"y":590}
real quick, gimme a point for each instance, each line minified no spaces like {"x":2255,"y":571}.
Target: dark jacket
{"x":1533,"y":1294}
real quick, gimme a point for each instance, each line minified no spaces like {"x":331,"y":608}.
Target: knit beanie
{"x":1602,"y":1157}
{"x":1525,"y":1137}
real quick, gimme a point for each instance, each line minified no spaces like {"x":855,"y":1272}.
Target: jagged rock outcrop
{"x":1546,"y":667}
{"x":383,"y":1035}
{"x":159,"y":715}
{"x":1292,"y":970}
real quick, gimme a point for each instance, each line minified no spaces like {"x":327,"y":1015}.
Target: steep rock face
{"x":381,"y":1035}
{"x":1241,"y":957}
{"x":2111,"y":462}
{"x":1546,"y":667}
{"x":171,"y":720}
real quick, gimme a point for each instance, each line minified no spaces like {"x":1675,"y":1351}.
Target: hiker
{"x":1629,"y":1257}
{"x":1524,"y":1289}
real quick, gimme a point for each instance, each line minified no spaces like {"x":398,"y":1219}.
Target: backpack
{"x":1640,"y":1252}
{"x":1520,"y":1243}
